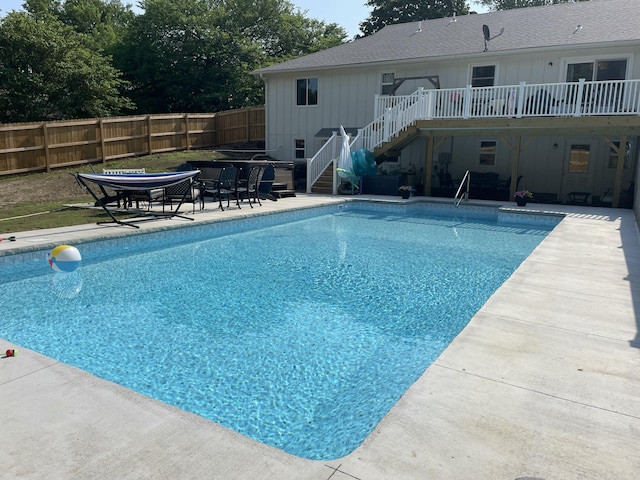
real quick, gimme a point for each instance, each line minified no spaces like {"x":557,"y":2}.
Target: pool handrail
{"x":465,"y":194}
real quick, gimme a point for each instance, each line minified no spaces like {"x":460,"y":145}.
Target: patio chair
{"x":145,"y":198}
{"x":249,"y":186}
{"x":187,"y":191}
{"x":504,"y":189}
{"x":226,"y":186}
{"x":266,"y":183}
{"x":626,"y":197}
{"x":541,"y":103}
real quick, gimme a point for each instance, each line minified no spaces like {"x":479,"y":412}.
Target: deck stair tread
{"x":324,"y":184}
{"x":282,"y":190}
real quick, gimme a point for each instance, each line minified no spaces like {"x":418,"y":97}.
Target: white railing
{"x":394,"y":114}
{"x":321,"y":160}
{"x":582,"y":98}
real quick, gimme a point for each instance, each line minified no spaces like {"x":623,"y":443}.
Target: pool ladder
{"x":462,"y":193}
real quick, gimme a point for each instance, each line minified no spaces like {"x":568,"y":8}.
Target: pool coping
{"x":541,"y":383}
{"x":38,"y":240}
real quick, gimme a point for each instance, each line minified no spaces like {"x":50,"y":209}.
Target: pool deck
{"x":543,"y":383}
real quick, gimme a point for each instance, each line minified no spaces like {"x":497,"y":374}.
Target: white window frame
{"x":565,"y":62}
{"x":481,"y":153}
{"x":388,"y":85}
{"x":306,"y":104}
{"x":495,"y":66}
{"x":613,"y":156}
{"x":297,"y":149}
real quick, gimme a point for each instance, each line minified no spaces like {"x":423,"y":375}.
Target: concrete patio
{"x":543,"y":383}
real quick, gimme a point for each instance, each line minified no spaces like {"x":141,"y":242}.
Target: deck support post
{"x":617,"y":186}
{"x":515,"y":167}
{"x":428,"y":166}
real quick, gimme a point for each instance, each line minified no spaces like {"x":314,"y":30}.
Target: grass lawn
{"x":37,"y":200}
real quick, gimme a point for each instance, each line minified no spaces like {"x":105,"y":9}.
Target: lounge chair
{"x":119,"y":196}
{"x":136,"y":182}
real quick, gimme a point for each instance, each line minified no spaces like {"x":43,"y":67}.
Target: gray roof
{"x":547,"y":27}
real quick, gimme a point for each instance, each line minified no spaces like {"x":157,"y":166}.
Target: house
{"x":549,"y":94}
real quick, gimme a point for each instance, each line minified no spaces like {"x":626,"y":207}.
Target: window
{"x":483,"y":75}
{"x":387,"y":83}
{"x":613,"y":156}
{"x":488,"y":152}
{"x":597,"y":70}
{"x":609,"y":95}
{"x":307,"y":91}
{"x":579,"y":159}
{"x":299,"y":149}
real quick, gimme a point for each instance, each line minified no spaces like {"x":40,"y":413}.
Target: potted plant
{"x":406,"y":191}
{"x":522,"y":196}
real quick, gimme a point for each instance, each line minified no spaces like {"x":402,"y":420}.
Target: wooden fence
{"x":32,"y":147}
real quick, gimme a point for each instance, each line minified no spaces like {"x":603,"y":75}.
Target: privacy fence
{"x":33,"y":147}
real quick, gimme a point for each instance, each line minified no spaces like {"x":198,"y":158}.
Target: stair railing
{"x":463,"y":193}
{"x":382,"y":129}
{"x":393,"y":120}
{"x":321,"y":160}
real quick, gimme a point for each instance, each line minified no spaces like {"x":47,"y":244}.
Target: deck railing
{"x":582,"y":98}
{"x":394,"y":114}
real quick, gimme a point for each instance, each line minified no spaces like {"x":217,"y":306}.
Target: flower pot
{"x":521,"y":201}
{"x":405,"y":193}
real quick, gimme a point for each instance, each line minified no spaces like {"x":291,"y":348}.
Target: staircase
{"x":396,"y":143}
{"x":324,"y":184}
{"x":392,"y":130}
{"x":283,"y":183}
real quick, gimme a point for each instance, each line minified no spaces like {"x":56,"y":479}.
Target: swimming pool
{"x":301,"y":333}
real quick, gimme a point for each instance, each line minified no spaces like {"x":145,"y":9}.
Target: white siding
{"x":346,"y":97}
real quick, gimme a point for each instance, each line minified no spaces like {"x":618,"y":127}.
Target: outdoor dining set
{"x":225,"y":182}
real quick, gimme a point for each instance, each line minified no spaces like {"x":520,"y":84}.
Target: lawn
{"x":37,"y":200}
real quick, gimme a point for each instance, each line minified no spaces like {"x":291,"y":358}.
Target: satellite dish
{"x":487,"y":35}
{"x":485,"y":30}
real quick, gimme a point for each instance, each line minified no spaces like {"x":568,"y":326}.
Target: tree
{"x":178,"y":56}
{"x":390,"y":12}
{"x":103,"y":22}
{"x":197,"y":55}
{"x":47,"y":72}
{"x":279,"y":29}
{"x":511,"y":4}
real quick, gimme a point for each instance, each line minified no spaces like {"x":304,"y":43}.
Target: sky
{"x":346,"y":13}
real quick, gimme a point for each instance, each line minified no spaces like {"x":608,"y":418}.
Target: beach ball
{"x":64,"y":258}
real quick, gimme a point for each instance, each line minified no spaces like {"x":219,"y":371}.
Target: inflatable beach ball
{"x":64,"y":258}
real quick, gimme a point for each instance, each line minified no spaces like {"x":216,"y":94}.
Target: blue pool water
{"x":301,"y":334}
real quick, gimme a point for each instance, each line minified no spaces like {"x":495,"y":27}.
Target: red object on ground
{"x":11,"y":353}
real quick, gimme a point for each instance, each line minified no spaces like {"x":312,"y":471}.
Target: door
{"x":577,"y":175}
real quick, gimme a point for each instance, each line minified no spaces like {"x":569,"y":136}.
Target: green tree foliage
{"x":104,"y":22}
{"x":279,"y":28}
{"x":72,"y":58}
{"x":197,"y":55}
{"x":511,"y":4}
{"x":390,"y":12}
{"x":47,"y":72}
{"x":178,"y":59}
